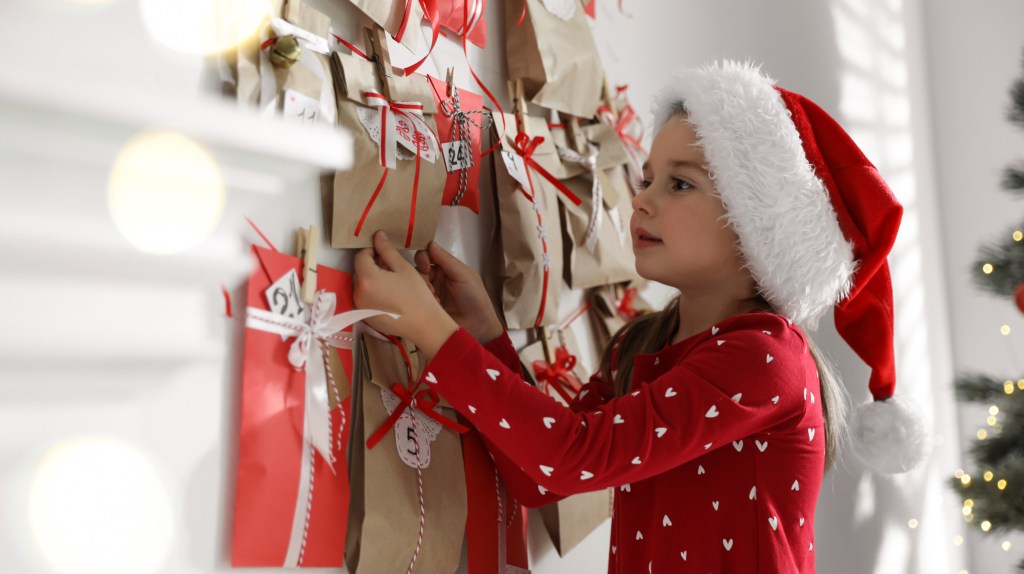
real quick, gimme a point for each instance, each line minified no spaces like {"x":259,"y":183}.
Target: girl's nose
{"x":642,"y":202}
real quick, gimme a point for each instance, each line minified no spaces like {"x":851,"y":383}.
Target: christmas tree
{"x":993,"y":495}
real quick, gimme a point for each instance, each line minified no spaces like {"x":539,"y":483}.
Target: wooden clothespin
{"x":517,"y":94}
{"x":609,"y":99}
{"x":545,"y":337}
{"x":449,"y":79}
{"x":377,"y":50}
{"x":307,"y":245}
{"x":577,"y":141}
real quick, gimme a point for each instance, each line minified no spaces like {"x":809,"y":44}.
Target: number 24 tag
{"x":457,"y":155}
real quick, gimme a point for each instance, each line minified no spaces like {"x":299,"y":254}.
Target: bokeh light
{"x":165,"y":193}
{"x":97,"y":506}
{"x":203,"y":26}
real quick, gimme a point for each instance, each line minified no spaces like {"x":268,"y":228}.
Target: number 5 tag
{"x":456,"y":155}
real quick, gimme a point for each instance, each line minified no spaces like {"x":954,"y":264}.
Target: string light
{"x":982,"y":434}
{"x":988,"y":476}
{"x":1008,"y":387}
{"x":912,"y":523}
{"x":959,"y":472}
{"x":1020,"y":384}
{"x":986,"y":526}
{"x":969,"y":503}
{"x":1001,"y":485}
{"x":958,"y":540}
{"x":1005,"y":329}
{"x":987,"y":269}
{"x":993,"y":410}
{"x":965,"y":479}
{"x":1006,"y":543}
{"x":1017,"y":235}
{"x":991,"y":420}
{"x":966,"y":510}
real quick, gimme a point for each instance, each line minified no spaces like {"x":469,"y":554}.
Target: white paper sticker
{"x":301,"y":107}
{"x":516,"y":167}
{"x":456,"y":155}
{"x":415,"y":136}
{"x":283,"y":297}
{"x":413,"y":442}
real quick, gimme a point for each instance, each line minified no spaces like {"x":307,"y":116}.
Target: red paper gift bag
{"x":291,"y":506}
{"x":460,"y":119}
{"x":456,"y":16}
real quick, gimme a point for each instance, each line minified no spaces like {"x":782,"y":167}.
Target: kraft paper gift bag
{"x":409,"y":501}
{"x":611,"y":306}
{"x":573,"y":518}
{"x":292,"y":489}
{"x":294,"y":66}
{"x":553,"y":51}
{"x":598,"y":248}
{"x":400,"y":18}
{"x":528,"y":220}
{"x":397,"y":177}
{"x":461,"y":122}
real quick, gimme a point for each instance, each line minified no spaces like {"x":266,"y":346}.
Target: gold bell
{"x":285,"y":51}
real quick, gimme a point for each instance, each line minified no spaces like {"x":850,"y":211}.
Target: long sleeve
{"x":519,"y":484}
{"x":704,"y":402}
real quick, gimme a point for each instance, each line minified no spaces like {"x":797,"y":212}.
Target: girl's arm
{"x":519,"y":484}
{"x":747,"y":378}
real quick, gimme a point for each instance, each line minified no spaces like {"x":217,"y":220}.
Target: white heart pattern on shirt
{"x":625,"y":488}
{"x":700,"y":469}
{"x":721,"y":342}
{"x":657,"y":360}
{"x":660,"y":431}
{"x":707,"y":446}
{"x":493,"y":373}
{"x":636,"y":460}
{"x":504,"y":424}
{"x":670,"y":392}
{"x":635,"y":393}
{"x":769,"y":358}
{"x":548,"y":421}
{"x":727,"y":544}
{"x":810,"y":433}
{"x":472,"y":409}
{"x":738,"y":445}
{"x":753,"y":493}
{"x":805,"y":393}
{"x":796,"y":485}
{"x":712,"y":412}
{"x":542,"y":489}
{"x":584,"y":392}
{"x":801,"y":521}
{"x":812,"y":398}
{"x":715,"y":504}
{"x":585,"y":475}
{"x":714,"y":330}
{"x":767,"y":332}
{"x":613,"y":549}
{"x":775,"y":400}
{"x":736,"y":398}
{"x":618,"y":419}
{"x":547,"y":470}
{"x":774,"y":521}
{"x":639,"y":535}
{"x":666,"y":521}
{"x":683,"y":554}
{"x":430,"y":378}
{"x":761,"y":445}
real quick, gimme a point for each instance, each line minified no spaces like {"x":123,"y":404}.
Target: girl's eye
{"x":640,"y":184}
{"x":679,"y":184}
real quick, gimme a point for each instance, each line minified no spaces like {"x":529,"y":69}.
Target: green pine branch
{"x":1007,"y":260}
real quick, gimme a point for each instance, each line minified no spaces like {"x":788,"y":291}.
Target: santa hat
{"x":815,"y":222}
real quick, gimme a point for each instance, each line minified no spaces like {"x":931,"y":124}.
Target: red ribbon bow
{"x":624,"y":307}
{"x":559,"y":374}
{"x":424,"y":400}
{"x":525,"y":146}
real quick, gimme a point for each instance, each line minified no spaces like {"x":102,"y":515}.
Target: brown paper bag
{"x":365,"y":198}
{"x":554,"y":53}
{"x":573,"y":518}
{"x":391,"y":13}
{"x":611,"y":306}
{"x":384,"y":524}
{"x":531,"y":276}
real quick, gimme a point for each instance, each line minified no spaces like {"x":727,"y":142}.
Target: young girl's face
{"x":680,"y":236}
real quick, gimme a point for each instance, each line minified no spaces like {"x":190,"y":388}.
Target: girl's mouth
{"x":643,"y":239}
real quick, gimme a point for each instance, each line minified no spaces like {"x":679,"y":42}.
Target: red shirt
{"x":716,"y":456}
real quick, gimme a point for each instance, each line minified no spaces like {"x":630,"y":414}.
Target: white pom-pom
{"x":890,"y":435}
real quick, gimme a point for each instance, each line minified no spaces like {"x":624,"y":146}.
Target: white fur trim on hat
{"x":890,"y":436}
{"x":780,"y":210}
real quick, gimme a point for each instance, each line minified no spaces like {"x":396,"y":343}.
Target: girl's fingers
{"x":387,"y":252}
{"x":364,"y":263}
{"x":450,"y":264}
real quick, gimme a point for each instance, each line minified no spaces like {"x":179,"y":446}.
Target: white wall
{"x":898,"y":73}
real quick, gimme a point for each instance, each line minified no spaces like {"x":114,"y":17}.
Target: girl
{"x":713,"y":419}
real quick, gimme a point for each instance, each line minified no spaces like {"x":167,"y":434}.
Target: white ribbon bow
{"x":424,"y":145}
{"x":589,"y":161}
{"x":323,"y":329}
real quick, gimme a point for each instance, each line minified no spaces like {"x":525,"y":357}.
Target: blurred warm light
{"x":993,"y":410}
{"x":991,"y":420}
{"x":1008,"y":387}
{"x":165,"y":193}
{"x":1001,"y":484}
{"x":982,"y":434}
{"x":986,"y":525}
{"x":988,"y":476}
{"x":912,"y":523}
{"x":969,"y":502}
{"x":965,"y":479}
{"x":1017,"y":235}
{"x":203,"y":26}
{"x":1020,"y":384}
{"x":959,"y":472}
{"x":97,"y":506}
{"x":1005,"y":329}
{"x":1006,"y":545}
{"x":958,"y":540}
{"x":987,"y":268}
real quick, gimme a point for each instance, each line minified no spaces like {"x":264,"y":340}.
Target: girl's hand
{"x":460,"y":291}
{"x":384,"y":280}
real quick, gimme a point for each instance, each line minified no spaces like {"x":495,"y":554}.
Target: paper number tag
{"x":301,"y":107}
{"x":413,"y":442}
{"x":516,"y":168}
{"x":456,"y":155}
{"x":283,"y":297}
